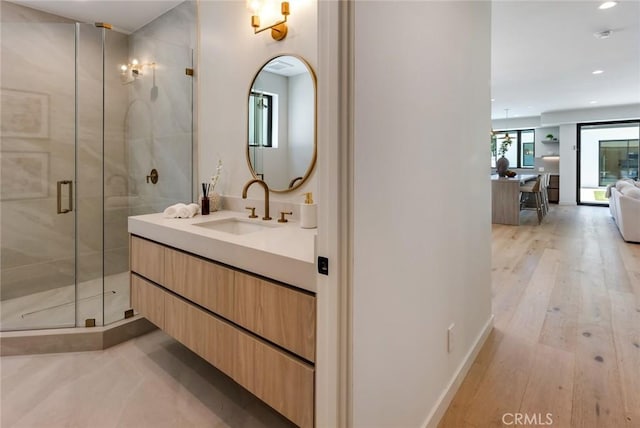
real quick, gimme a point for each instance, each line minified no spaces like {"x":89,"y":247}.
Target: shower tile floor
{"x":150,"y":381}
{"x":56,"y":308}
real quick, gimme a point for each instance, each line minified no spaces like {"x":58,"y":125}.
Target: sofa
{"x":624,"y":204}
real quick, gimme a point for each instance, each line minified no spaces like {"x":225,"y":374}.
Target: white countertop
{"x":284,"y":252}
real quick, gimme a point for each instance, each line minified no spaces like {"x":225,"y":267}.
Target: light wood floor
{"x":566,"y":300}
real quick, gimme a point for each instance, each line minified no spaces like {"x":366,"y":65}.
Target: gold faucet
{"x":266,"y":195}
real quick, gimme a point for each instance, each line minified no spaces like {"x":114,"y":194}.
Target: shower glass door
{"x":38,"y":163}
{"x":80,"y":135}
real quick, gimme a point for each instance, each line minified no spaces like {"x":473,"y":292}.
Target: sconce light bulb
{"x":123,"y":68}
{"x":134,"y":62}
{"x":254,"y":6}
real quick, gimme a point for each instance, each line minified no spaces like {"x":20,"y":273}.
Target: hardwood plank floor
{"x":566,"y":342}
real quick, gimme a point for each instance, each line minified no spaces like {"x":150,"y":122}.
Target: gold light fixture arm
{"x":279,"y":29}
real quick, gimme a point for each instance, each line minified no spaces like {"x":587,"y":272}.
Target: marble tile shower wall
{"x":147,"y":125}
{"x":161,"y":107}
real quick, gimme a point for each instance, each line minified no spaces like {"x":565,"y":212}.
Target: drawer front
{"x":147,"y":259}
{"x":201,"y":332}
{"x":205,"y":283}
{"x":554,"y":181}
{"x":279,"y":380}
{"x":148,"y":300}
{"x":277,"y":313}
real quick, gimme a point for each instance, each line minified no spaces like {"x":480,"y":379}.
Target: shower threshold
{"x":56,"y":308}
{"x":53,"y":311}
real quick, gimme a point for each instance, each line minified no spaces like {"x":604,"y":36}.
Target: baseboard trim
{"x":446,"y":397}
{"x":77,"y":339}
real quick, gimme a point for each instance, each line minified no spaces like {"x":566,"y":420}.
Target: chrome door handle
{"x":59,"y":197}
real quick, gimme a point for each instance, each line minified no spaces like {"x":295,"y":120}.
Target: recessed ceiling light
{"x":608,"y":5}
{"x":597,"y":72}
{"x":593,"y":102}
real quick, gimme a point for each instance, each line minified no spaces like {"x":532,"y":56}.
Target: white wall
{"x":230,"y":56}
{"x":568,"y":156}
{"x":421,"y":203}
{"x":543,"y":149}
{"x":595,"y":114}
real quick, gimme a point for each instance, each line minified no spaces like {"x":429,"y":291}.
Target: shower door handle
{"x":70,"y":204}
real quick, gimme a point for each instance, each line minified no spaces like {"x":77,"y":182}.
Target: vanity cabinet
{"x":148,"y":259}
{"x":148,"y":300}
{"x":208,"y":284}
{"x":259,"y":332}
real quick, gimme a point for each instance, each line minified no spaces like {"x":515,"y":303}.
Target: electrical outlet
{"x":541,"y":169}
{"x":450,"y":338}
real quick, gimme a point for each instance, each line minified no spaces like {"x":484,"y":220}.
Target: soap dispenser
{"x":308,"y":212}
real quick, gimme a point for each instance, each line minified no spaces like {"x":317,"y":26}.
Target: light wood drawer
{"x":147,"y":259}
{"x":204,"y":283}
{"x":277,"y":313}
{"x":211,"y":338}
{"x":281,"y":381}
{"x":148,"y":300}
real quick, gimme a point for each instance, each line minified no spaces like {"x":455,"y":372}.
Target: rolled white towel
{"x":172,"y":211}
{"x":188,"y":211}
{"x":195,"y":209}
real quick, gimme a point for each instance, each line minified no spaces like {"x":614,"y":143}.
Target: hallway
{"x":566,"y":343}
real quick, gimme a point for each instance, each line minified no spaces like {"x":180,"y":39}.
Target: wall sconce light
{"x":133,"y":70}
{"x":261,"y":7}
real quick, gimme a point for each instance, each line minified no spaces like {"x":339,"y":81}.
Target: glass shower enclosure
{"x":78,"y":141}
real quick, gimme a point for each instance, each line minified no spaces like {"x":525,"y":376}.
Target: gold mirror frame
{"x":297,"y":181}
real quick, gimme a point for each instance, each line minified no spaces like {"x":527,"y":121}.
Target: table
{"x":505,"y":198}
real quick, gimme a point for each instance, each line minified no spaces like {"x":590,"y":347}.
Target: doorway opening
{"x":607,"y":152}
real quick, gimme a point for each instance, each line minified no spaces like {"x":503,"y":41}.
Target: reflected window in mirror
{"x":281,"y":131}
{"x":261,"y":124}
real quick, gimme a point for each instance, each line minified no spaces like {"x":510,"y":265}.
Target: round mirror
{"x":281,"y":147}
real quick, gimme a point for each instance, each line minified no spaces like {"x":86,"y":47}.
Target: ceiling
{"x":543,"y":52}
{"x":286,"y":66}
{"x":125,"y":16}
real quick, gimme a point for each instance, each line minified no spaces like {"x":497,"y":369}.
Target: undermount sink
{"x":235,"y":226}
